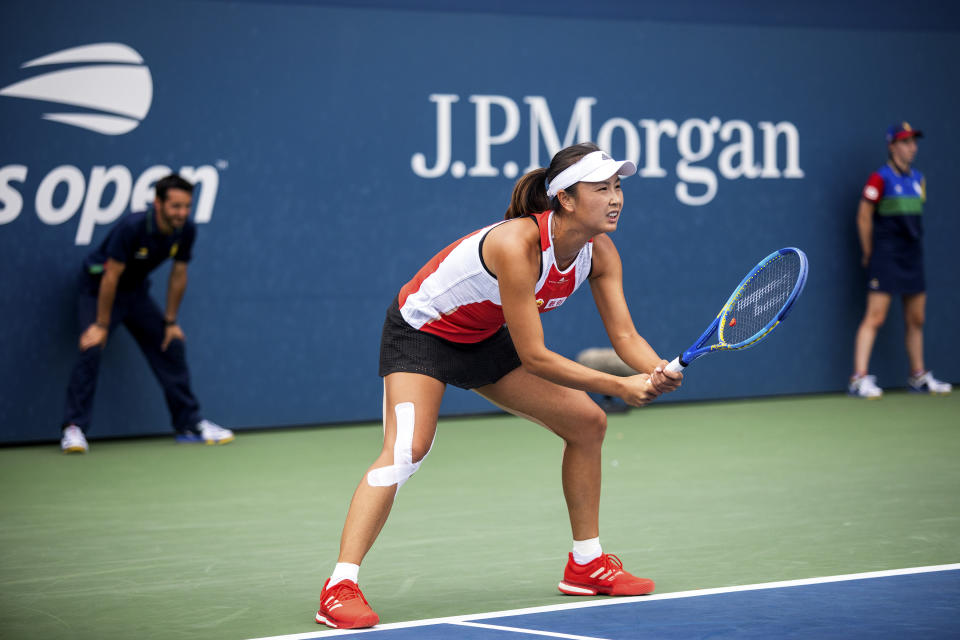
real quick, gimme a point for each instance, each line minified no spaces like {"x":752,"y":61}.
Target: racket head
{"x":763,"y":299}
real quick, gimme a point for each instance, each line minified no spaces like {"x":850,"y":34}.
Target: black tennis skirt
{"x":468,"y":366}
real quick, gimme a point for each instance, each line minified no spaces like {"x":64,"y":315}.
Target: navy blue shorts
{"x":468,"y":366}
{"x":897,"y":270}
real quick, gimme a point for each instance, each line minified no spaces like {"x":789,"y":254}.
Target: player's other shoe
{"x":206,"y":432}
{"x":343,"y":606}
{"x":73,"y":440}
{"x":926,"y":383}
{"x":865,"y":387}
{"x":603,"y":576}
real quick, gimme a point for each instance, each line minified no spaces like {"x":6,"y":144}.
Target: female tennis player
{"x":471,"y":318}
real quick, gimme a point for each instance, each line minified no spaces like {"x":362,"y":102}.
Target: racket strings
{"x":760,"y":299}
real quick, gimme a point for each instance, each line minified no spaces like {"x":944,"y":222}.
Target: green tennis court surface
{"x":148,"y":539}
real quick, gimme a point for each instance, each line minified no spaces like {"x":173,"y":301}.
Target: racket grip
{"x":675,"y":366}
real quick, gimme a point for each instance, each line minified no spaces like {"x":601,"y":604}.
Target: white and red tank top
{"x":454,"y":296}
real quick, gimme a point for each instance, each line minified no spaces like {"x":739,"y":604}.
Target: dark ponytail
{"x":530,"y":192}
{"x":529,"y":195}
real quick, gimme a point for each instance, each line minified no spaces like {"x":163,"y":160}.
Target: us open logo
{"x":107,"y":89}
{"x":108,"y":81}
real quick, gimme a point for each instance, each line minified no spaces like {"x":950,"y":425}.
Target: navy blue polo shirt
{"x":141,"y":246}
{"x":899,"y":199}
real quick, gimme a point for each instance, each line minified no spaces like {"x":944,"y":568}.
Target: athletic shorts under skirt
{"x":468,"y":366}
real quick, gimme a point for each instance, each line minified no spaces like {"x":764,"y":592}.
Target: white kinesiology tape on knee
{"x":403,"y":465}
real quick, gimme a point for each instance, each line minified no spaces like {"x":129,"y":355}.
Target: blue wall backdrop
{"x":338,"y":147}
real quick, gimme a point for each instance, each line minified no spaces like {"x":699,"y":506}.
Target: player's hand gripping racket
{"x":760,"y":303}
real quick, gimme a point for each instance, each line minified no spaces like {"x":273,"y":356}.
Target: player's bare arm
{"x":513,"y":255}
{"x":865,"y":229}
{"x":606,"y":284}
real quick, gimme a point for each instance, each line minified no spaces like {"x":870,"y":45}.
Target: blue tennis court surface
{"x":910,"y":603}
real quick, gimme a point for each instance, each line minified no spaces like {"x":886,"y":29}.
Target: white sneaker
{"x":865,"y":387}
{"x":206,"y":432}
{"x":926,"y":383}
{"x":73,"y":440}
{"x":212,"y":433}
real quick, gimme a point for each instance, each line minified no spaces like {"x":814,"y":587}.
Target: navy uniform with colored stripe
{"x":142,"y":247}
{"x":896,"y":264}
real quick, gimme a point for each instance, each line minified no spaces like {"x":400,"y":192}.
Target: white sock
{"x":586,"y":550}
{"x":344,"y":571}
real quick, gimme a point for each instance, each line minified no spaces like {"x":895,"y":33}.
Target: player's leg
{"x":878,"y":305}
{"x":921,"y":380}
{"x":374,"y":496}
{"x":411,"y":404}
{"x":914,"y":314}
{"x":573,"y":416}
{"x":82,"y":385}
{"x":146,"y":324}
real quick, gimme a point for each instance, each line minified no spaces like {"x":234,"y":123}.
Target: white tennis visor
{"x":596,"y":166}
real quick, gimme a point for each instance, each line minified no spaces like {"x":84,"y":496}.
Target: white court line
{"x":619,"y":600}
{"x":532,"y":632}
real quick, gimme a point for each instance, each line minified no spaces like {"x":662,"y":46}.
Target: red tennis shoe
{"x":343,"y":606}
{"x":603,"y":576}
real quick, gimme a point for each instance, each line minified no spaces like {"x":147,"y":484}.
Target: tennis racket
{"x":758,"y":305}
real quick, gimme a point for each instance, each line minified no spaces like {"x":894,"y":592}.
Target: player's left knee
{"x":597,"y":424}
{"x":406,"y":457}
{"x":591,"y":425}
{"x":418,"y":453}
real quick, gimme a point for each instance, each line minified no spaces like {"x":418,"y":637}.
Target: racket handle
{"x":675,"y":366}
